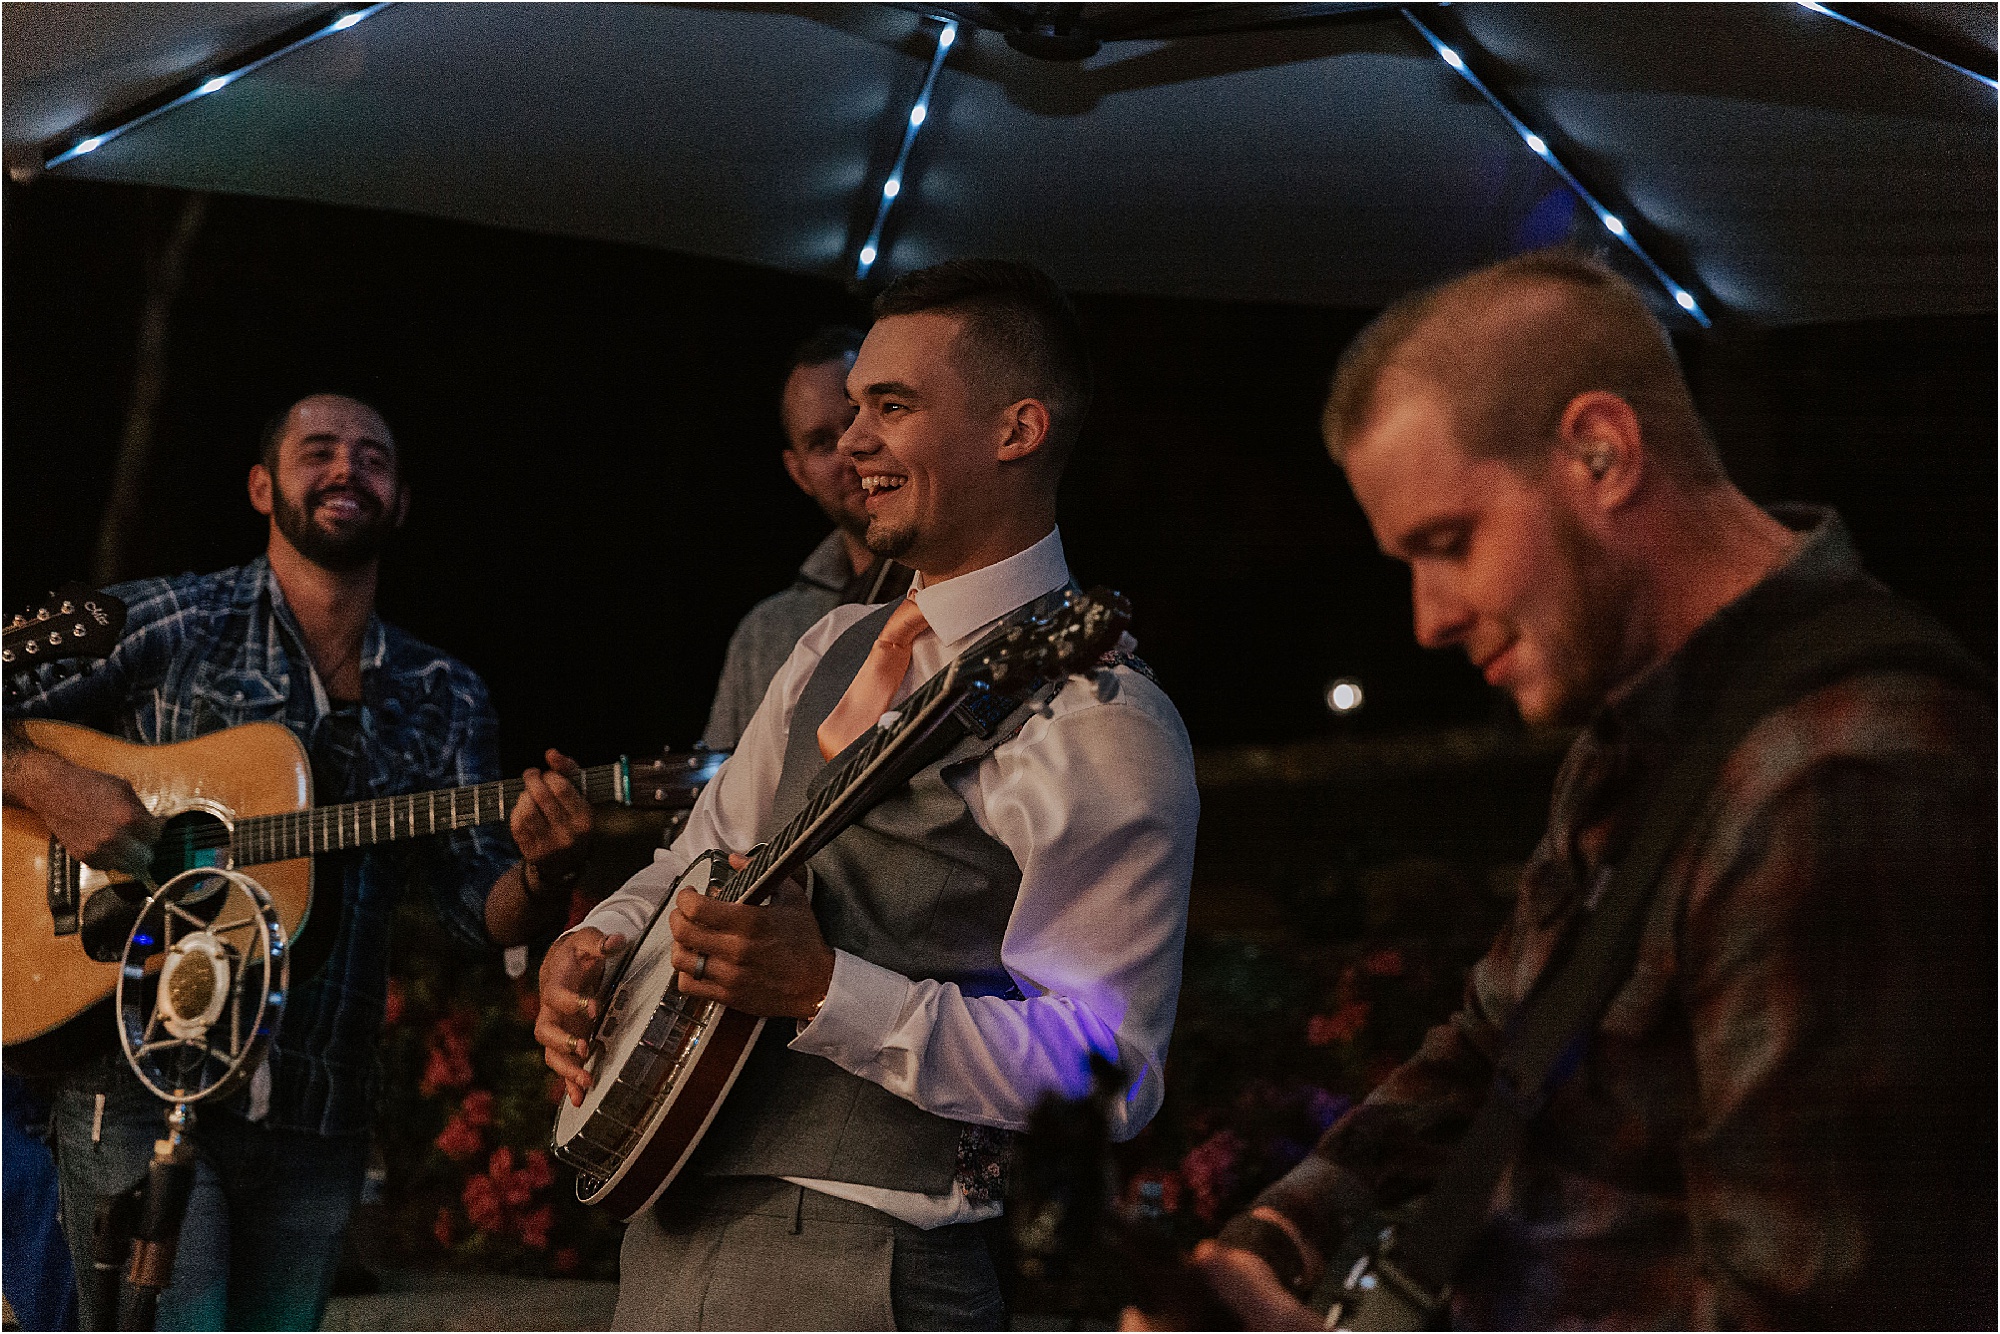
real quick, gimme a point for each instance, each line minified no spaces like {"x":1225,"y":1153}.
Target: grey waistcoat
{"x":915,"y":886}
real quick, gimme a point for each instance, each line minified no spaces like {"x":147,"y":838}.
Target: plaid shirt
{"x":1786,"y":1115}
{"x":204,"y":652}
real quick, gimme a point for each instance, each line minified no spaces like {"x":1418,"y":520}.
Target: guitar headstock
{"x":671,"y":781}
{"x":1072,"y":637}
{"x":74,"y":622}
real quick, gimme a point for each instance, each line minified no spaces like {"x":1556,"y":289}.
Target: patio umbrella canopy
{"x":1777,"y":163}
{"x":594,"y":229}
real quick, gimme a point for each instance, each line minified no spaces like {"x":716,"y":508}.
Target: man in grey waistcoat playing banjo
{"x":973,"y":940}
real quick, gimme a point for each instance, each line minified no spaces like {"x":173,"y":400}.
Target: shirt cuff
{"x":864,"y":1003}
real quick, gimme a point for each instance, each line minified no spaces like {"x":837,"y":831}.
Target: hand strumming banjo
{"x":664,"y":1062}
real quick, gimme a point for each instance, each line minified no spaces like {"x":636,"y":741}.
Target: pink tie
{"x":874,"y":686}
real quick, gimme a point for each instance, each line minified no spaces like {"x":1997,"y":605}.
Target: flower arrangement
{"x":467,"y":1109}
{"x":1279,"y":1035}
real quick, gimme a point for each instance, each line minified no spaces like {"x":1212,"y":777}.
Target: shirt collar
{"x":374,"y":643}
{"x":827,"y":567}
{"x":1824,"y":565}
{"x":959,"y":608}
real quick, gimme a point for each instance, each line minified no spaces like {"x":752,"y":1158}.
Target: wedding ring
{"x":700,"y":967}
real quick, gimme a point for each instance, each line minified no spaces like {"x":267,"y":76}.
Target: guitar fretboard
{"x":282,"y":837}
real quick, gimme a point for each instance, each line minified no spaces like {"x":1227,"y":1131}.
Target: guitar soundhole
{"x":190,"y":839}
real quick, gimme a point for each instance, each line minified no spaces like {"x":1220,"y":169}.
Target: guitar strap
{"x":1868,"y":631}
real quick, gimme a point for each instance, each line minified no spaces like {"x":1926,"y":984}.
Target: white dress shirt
{"x":1097,"y":803}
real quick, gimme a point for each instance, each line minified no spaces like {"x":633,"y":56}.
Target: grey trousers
{"x":759,"y":1253}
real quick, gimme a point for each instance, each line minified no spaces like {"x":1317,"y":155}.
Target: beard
{"x":341,"y":549}
{"x":889,"y":541}
{"x":1591,"y":643}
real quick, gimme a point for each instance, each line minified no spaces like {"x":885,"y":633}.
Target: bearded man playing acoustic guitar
{"x":975,"y":938}
{"x":291,"y":637}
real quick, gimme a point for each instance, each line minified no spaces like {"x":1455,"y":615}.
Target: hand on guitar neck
{"x":97,"y":816}
{"x":552,"y":826}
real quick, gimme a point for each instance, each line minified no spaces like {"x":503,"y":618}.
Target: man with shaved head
{"x":290,"y":637}
{"x":1783,"y":1116}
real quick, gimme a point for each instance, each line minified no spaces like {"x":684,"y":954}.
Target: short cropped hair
{"x":1020,"y":337}
{"x":1510,"y":346}
{"x":272,"y":434}
{"x":829,"y":342}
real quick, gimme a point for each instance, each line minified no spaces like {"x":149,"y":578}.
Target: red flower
{"x":533,"y":1227}
{"x":444,"y":1070}
{"x":442,"y":1228}
{"x":392,"y":1004}
{"x":1210,"y":1172}
{"x":482,"y":1204}
{"x":1343,"y":1025}
{"x":538,"y":1173}
{"x":502,"y":1162}
{"x":566,"y":1260}
{"x":478,"y":1108}
{"x":459,"y":1139}
{"x":1384,"y":963}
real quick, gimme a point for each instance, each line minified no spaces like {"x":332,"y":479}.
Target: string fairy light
{"x":1539,"y":146}
{"x":206,"y":83}
{"x":892,"y":187}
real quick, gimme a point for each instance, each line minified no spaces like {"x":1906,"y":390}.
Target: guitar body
{"x":254,"y":769}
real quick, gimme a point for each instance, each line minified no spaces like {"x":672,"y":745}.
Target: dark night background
{"x":590,"y":431}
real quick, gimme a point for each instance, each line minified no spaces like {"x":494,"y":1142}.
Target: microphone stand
{"x":138,"y":1229}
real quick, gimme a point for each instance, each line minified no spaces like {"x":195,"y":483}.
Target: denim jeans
{"x":40,"y":1285}
{"x":262,"y":1237}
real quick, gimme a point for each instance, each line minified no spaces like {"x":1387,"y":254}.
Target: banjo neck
{"x":860,"y":779}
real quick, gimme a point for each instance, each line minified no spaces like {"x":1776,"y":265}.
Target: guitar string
{"x":285,"y":829}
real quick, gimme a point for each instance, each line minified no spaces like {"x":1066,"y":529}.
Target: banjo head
{"x":638,"y":1050}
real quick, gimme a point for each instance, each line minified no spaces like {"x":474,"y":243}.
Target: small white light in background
{"x":1683,"y":300}
{"x":868,"y":254}
{"x":917,"y":114}
{"x":1451,"y":57}
{"x":1613,"y":225}
{"x":1535,"y":145}
{"x":346,"y":21}
{"x":948,"y":36}
{"x":88,"y":145}
{"x":1343,"y":696}
{"x":891,"y":188}
{"x":214,"y":85}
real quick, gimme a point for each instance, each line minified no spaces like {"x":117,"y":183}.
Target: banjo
{"x":664,"y":1062}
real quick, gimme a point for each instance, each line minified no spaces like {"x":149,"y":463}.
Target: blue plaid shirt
{"x":204,"y":652}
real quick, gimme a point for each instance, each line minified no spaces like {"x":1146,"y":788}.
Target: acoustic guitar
{"x":242,"y":798}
